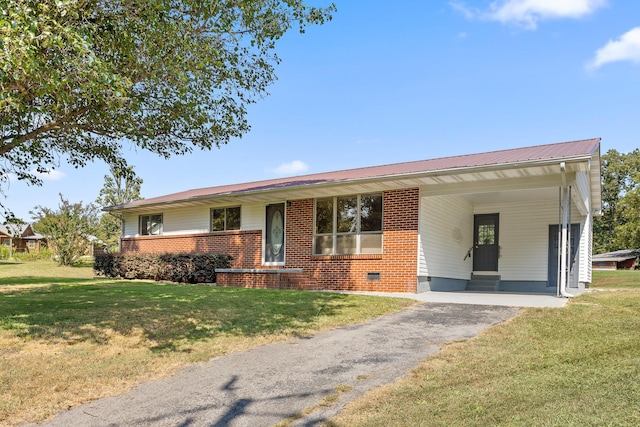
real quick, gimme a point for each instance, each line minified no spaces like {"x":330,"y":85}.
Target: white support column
{"x":565,"y":227}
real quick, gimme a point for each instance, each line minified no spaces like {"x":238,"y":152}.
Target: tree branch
{"x":52,"y":125}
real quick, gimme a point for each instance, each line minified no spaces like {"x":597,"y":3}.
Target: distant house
{"x":21,"y":238}
{"x":516,"y":220}
{"x":96,"y":246}
{"x":618,"y":260}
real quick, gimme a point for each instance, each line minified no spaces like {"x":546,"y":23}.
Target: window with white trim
{"x":225,"y":219}
{"x":348,"y":225}
{"x":151,"y":225}
{"x":31,"y":244}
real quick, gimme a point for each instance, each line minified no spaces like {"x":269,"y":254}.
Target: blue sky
{"x":388,"y":82}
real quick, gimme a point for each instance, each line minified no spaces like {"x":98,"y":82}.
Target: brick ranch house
{"x":516,"y":220}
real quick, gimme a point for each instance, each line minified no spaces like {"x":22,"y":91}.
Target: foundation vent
{"x":373,"y":276}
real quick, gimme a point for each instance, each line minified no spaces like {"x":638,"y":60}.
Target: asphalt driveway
{"x":269,"y":384}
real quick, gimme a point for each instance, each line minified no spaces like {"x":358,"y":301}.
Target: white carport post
{"x":564,"y":249}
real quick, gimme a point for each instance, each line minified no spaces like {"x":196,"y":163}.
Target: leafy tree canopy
{"x":119,"y":187}
{"x":80,"y":78}
{"x":619,"y":225}
{"x":68,"y":229}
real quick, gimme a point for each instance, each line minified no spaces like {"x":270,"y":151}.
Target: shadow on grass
{"x":38,"y":280}
{"x":166,"y":314}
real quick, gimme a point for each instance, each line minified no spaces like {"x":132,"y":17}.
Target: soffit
{"x":473,"y":182}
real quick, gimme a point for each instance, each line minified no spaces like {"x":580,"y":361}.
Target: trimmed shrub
{"x":181,"y":267}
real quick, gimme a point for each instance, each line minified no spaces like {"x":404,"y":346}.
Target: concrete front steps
{"x":484,"y":283}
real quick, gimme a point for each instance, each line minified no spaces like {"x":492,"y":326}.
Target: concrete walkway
{"x":269,"y":384}
{"x":481,"y":298}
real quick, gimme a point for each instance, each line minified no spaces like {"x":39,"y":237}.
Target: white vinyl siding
{"x":524,"y":237}
{"x":131,"y":224}
{"x":253,"y":216}
{"x":195,"y":220}
{"x":186,"y":221}
{"x":446,"y":234}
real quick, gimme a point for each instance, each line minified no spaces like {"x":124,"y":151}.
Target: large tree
{"x":69,"y":230}
{"x":617,"y":228}
{"x":119,"y":188}
{"x":81,"y":78}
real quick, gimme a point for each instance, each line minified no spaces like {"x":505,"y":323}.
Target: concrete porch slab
{"x":479,"y":298}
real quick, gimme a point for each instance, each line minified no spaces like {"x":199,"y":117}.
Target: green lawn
{"x":573,"y":366}
{"x":66,"y":338}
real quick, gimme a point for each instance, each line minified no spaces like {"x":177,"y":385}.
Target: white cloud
{"x":527,"y":13}
{"x":626,"y":48}
{"x":52,"y":175}
{"x":291,"y":168}
{"x":465,"y":10}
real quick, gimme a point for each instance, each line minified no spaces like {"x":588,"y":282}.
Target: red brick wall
{"x":241,"y":245}
{"x":397,"y":264}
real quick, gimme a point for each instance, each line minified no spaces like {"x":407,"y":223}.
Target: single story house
{"x":624,"y":259}
{"x":21,"y":238}
{"x":517,"y":220}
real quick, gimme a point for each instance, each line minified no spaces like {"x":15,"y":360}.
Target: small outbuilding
{"x":624,"y":259}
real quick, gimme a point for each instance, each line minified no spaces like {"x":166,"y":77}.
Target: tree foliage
{"x":81,"y":78}
{"x":68,"y":229}
{"x":119,"y":188}
{"x":619,"y":225}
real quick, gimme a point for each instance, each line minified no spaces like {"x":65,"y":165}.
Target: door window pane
{"x":486,"y":234}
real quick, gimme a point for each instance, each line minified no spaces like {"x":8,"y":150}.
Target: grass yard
{"x":66,"y":338}
{"x":574,"y":366}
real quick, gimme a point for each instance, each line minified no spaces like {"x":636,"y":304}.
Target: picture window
{"x":348,"y":225}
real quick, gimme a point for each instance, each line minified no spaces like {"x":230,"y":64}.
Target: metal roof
{"x":536,"y":156}
{"x":15,"y":230}
{"x":621,"y":255}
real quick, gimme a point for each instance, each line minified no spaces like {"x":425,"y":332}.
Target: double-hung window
{"x":225,"y":219}
{"x":151,"y":225}
{"x":348,"y":225}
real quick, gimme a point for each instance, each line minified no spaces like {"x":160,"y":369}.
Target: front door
{"x":486,"y":249}
{"x":554,"y":237}
{"x":274,"y":236}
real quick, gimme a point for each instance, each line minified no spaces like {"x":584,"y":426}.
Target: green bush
{"x":43,"y":253}
{"x":181,"y":267}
